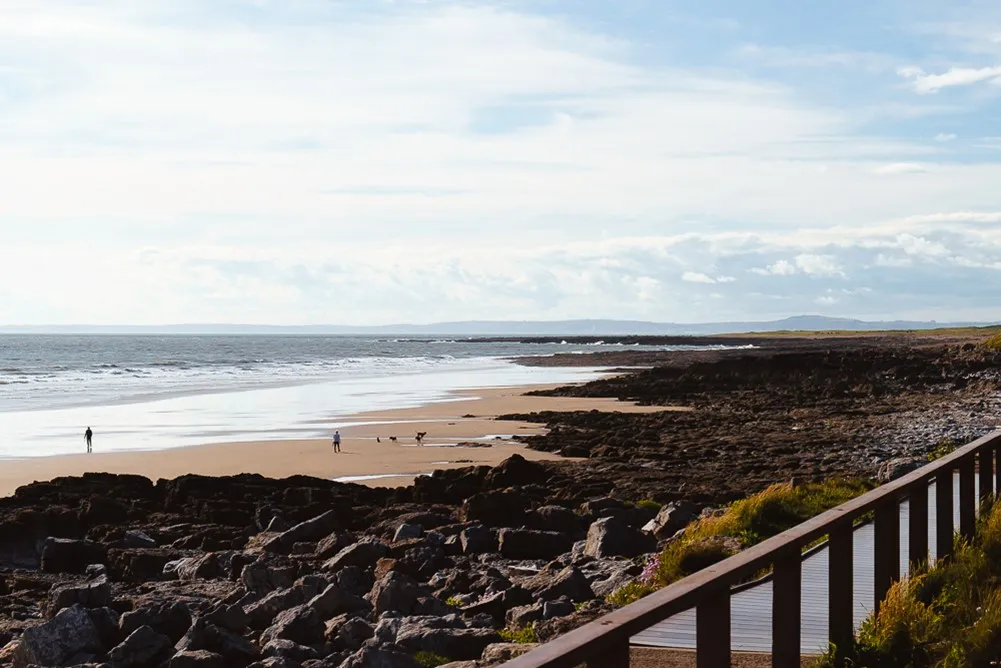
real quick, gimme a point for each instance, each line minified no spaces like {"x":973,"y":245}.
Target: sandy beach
{"x":447,"y":424}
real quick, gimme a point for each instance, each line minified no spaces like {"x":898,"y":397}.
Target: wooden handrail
{"x":604,"y":642}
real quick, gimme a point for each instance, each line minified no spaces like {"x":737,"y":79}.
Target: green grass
{"x":523,"y":636}
{"x":453,"y":602}
{"x":430,"y":660}
{"x":946,"y":617}
{"x":945,"y":446}
{"x":648,"y":504}
{"x":993,"y":343}
{"x":745,"y":523}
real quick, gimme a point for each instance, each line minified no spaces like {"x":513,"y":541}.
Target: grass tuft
{"x":711,"y":539}
{"x":648,"y":504}
{"x":523,"y":636}
{"x":430,"y":660}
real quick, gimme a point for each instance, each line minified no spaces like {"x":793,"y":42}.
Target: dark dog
{"x":420,"y":437}
{"x":393,"y":439}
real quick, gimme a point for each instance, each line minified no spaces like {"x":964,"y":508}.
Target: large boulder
{"x":67,"y":555}
{"x":395,"y":591}
{"x":69,"y":634}
{"x":205,"y":636}
{"x":897,"y":467}
{"x":363,"y":554}
{"x":477,"y":540}
{"x":197,"y":659}
{"x":530,"y":544}
{"x":611,"y":537}
{"x":379,"y":657}
{"x":353,"y":633}
{"x":495,"y":508}
{"x":501,"y":652}
{"x":516,"y":471}
{"x":334,"y":601}
{"x":289,"y":650}
{"x":94,"y":594}
{"x":332,"y":544}
{"x":451,"y":642}
{"x":554,"y":518}
{"x":171,"y":618}
{"x":300,"y":624}
{"x":261,"y":578}
{"x":549,"y":585}
{"x":144,"y":647}
{"x":672,"y":518}
{"x":310,"y":530}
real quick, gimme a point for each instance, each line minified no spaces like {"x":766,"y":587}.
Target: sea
{"x":153,"y":392}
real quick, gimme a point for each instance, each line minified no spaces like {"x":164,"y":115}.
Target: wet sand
{"x":395,"y":463}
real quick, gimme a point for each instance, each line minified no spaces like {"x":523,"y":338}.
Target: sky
{"x":376,"y":161}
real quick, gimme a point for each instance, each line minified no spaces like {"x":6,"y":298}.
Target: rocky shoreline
{"x":467,"y":567}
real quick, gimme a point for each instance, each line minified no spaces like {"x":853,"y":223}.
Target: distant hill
{"x":812,"y":323}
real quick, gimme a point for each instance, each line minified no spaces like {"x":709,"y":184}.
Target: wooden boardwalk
{"x":751,"y":606}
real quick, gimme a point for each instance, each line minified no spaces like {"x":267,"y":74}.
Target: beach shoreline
{"x":467,"y":416}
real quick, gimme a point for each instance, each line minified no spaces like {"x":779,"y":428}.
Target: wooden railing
{"x":604,"y":643}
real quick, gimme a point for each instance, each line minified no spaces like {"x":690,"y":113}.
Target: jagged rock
{"x":897,"y":467}
{"x":523,"y":615}
{"x":477,"y":540}
{"x":495,"y":508}
{"x":569,"y":581}
{"x":144,"y":647}
{"x":394,"y":592}
{"x":554,"y":518}
{"x":363,"y":554}
{"x":529,"y":544}
{"x":611,"y":537}
{"x":260,"y":578}
{"x":205,"y":636}
{"x":332,"y":544}
{"x":70,"y":633}
{"x":260,"y":614}
{"x":501,"y":652}
{"x":197,"y":659}
{"x":334,"y":601}
{"x":353,"y":633}
{"x":102,"y":510}
{"x":140,"y":564}
{"x":406,"y":531}
{"x":451,"y":642}
{"x":137,"y":539}
{"x":562,"y":608}
{"x":671,"y":518}
{"x":205,"y":567}
{"x":276,"y":662}
{"x":313,"y":529}
{"x":377,"y":657}
{"x":290,"y":650}
{"x":354,"y":580}
{"x":93,"y":594}
{"x":278,"y":524}
{"x":66,"y":555}
{"x":229,"y":617}
{"x":516,"y":471}
{"x":171,"y":618}
{"x":300,"y":624}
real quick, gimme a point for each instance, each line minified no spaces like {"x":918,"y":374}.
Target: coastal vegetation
{"x":711,"y":539}
{"x":947,"y":616}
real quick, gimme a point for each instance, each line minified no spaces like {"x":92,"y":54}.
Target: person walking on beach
{"x":87,"y":436}
{"x":337,"y":441}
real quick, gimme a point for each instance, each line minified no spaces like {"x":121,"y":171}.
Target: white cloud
{"x":818,"y":265}
{"x":945,"y":137}
{"x":901,"y":168}
{"x":922,"y":82}
{"x":699,"y":277}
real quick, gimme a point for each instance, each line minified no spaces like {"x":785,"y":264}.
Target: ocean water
{"x":153,"y":392}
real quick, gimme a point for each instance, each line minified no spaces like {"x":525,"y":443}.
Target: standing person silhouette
{"x":337,"y":441}
{"x":88,"y":436}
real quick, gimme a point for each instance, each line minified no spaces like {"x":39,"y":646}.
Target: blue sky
{"x":370,"y":162}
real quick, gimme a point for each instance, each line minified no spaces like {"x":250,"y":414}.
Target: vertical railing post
{"x":617,"y":657}
{"x":997,"y":467}
{"x":886,"y":561}
{"x":917,"y":525}
{"x":985,"y":464}
{"x":967,"y":498}
{"x":840,"y":579}
{"x":786,"y":608}
{"x":712,"y":630}
{"x":943,"y":513}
